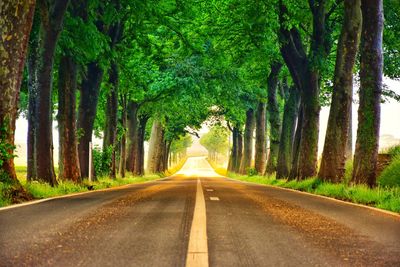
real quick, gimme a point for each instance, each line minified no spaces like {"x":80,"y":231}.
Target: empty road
{"x":197,"y":218}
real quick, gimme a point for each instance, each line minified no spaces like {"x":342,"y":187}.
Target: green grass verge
{"x":43,"y":190}
{"x":387,"y":198}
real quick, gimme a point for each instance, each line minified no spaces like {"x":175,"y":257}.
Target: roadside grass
{"x":43,"y":190}
{"x":387,"y":198}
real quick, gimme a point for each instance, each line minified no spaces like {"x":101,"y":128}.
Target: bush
{"x":391,"y":174}
{"x":251,"y":172}
{"x":348,"y":171}
{"x":102,"y":161}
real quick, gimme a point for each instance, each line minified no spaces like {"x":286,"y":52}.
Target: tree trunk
{"x":245,"y":163}
{"x":371,"y":64}
{"x":349,"y":145}
{"x":122,"y":160}
{"x":234,"y":159}
{"x":310,"y":128}
{"x":306,"y":76}
{"x":296,"y":146}
{"x":261,"y":139}
{"x":90,"y":89}
{"x":334,"y":154}
{"x":32,"y":65}
{"x":52,"y":16}
{"x":155,"y":147}
{"x":139,"y":150}
{"x":274,"y":117}
{"x":110,"y":132}
{"x":290,"y":115}
{"x":68,"y":149}
{"x":133,"y":127}
{"x":15,"y":24}
{"x":238,"y":160}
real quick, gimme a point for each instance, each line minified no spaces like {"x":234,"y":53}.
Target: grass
{"x":387,"y":198}
{"x":44,"y":190}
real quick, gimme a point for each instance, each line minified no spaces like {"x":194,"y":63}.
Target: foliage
{"x":216,"y":140}
{"x":102,"y":160}
{"x":251,"y":172}
{"x":181,"y":144}
{"x":390,"y":176}
{"x":5,"y":147}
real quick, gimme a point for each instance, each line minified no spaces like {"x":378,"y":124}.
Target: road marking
{"x":214,"y":198}
{"x":210,"y":190}
{"x":197,"y":254}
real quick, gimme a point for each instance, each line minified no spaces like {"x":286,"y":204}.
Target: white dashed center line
{"x":214,"y":198}
{"x":209,"y":190}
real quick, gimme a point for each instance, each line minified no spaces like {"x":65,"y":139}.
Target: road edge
{"x":33,"y":202}
{"x":394,"y":214}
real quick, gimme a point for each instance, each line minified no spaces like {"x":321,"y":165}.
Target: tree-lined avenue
{"x":149,"y":224}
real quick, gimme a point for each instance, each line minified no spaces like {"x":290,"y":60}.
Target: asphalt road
{"x":151,"y":225}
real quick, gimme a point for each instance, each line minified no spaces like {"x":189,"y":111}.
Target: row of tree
{"x":130,"y":71}
{"x":313,"y":49}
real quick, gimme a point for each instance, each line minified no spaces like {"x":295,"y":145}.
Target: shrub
{"x":391,"y":174}
{"x":251,"y":172}
{"x":102,"y":161}
{"x":348,"y":172}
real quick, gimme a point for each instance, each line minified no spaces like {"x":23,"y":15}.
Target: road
{"x":197,"y":218}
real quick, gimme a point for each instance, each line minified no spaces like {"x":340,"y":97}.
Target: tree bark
{"x":290,"y":115}
{"x":32,"y":65}
{"x":52,"y":16}
{"x":87,"y":109}
{"x":306,"y":76}
{"x":334,"y":154}
{"x":15,"y":24}
{"x":260,"y":157}
{"x":133,"y":127}
{"x":122,"y":160}
{"x":296,"y":146}
{"x":236,"y":152}
{"x":68,"y":144}
{"x":247,"y":155}
{"x":139,"y":149}
{"x":349,"y":145}
{"x":110,"y":132}
{"x":371,"y":65}
{"x":273,"y":117}
{"x":156,"y":144}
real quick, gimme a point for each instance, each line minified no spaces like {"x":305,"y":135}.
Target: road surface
{"x":197,"y":218}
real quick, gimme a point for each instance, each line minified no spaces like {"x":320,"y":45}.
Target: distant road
{"x":151,"y":225}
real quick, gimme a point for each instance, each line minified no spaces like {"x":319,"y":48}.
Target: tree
{"x":371,"y":72}
{"x":336,"y":140}
{"x":52,"y":16}
{"x":305,"y":69}
{"x":15,"y":24}
{"x":216,"y":142}
{"x":69,"y":168}
{"x":260,"y":158}
{"x":247,"y":155}
{"x":273,"y":117}
{"x":286,"y":142}
{"x":156,"y":143}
